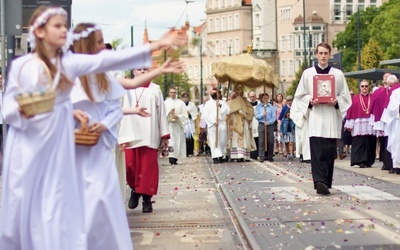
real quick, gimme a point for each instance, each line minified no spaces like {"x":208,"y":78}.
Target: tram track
{"x":240,"y":225}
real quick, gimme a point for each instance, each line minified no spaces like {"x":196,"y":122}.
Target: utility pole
{"x":201,"y":70}
{"x":165,"y":77}
{"x":358,"y":45}
{"x":131,"y":46}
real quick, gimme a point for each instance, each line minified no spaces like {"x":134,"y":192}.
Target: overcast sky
{"x":116,"y":16}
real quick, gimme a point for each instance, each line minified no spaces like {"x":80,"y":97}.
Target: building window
{"x":372,"y":3}
{"x":210,"y":25}
{"x":230,"y":46}
{"x":196,"y":72}
{"x":349,"y":9}
{"x":257,"y":21}
{"x":217,"y":48}
{"x":285,"y":14}
{"x":223,"y":23}
{"x":291,"y":67}
{"x":337,"y":10}
{"x":223,"y":48}
{"x":216,"y":6}
{"x":283,"y":68}
{"x":283,"y":43}
{"x":361,"y":4}
{"x":290,"y":42}
{"x":18,"y":43}
{"x":217,"y":24}
{"x":229,"y":3}
{"x":237,"y":24}
{"x":257,"y":42}
{"x":230,"y":24}
{"x":237,"y":45}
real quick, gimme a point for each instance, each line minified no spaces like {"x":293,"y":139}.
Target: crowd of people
{"x":59,"y":195}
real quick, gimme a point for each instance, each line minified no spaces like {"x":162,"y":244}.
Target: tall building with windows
{"x":227,"y":31}
{"x":323,"y":20}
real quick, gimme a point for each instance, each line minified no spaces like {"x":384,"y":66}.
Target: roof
{"x":393,"y":62}
{"x":371,"y":74}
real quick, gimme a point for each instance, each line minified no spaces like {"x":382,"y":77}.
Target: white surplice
{"x":176,"y":128}
{"x":42,"y":205}
{"x":190,"y":126}
{"x":210,"y":116}
{"x":144,"y":131}
{"x":105,"y":217}
{"x":392,"y":121}
{"x":322,"y":120}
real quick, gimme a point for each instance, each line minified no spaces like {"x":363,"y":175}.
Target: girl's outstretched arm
{"x":168,"y":67}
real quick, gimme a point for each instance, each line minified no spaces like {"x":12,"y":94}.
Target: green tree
{"x":385,"y":29}
{"x":296,"y":80}
{"x":346,"y":41}
{"x":371,"y":55}
{"x":380,"y":23}
{"x":116,"y":42}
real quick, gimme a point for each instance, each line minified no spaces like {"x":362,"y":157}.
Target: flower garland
{"x":41,"y":20}
{"x":85,"y":33}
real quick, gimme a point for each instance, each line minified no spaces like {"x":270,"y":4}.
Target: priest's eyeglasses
{"x":145,"y":69}
{"x":364,"y":86}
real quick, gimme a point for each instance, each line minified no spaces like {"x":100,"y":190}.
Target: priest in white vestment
{"x":190,"y":126}
{"x":177,"y":117}
{"x":215,"y":112}
{"x":392,"y":120}
{"x":324,"y":120}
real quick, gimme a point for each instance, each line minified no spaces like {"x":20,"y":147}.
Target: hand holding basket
{"x":84,"y":137}
{"x":37,"y":102}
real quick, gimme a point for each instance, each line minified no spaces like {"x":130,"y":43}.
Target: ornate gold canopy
{"x":245,"y":69}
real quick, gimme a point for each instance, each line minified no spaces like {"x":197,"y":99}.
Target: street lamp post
{"x":304,"y":31}
{"x":201,"y":70}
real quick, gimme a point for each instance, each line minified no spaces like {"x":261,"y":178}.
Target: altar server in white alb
{"x":177,"y":117}
{"x":42,"y":204}
{"x":190,"y":126}
{"x":324,"y":121}
{"x":215,"y":112}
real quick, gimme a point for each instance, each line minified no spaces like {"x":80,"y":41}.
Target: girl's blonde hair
{"x":65,"y":82}
{"x":87,"y":45}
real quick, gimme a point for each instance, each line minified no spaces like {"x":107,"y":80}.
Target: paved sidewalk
{"x":375,"y":171}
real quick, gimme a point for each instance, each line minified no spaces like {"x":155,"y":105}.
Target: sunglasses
{"x":364,"y":86}
{"x":142,"y":69}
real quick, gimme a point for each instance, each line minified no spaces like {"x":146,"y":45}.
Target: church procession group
{"x":57,"y":194}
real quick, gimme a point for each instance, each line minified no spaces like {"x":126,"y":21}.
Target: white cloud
{"x":116,"y":16}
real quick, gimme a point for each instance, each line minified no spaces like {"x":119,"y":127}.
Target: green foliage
{"x":296,"y":80}
{"x":380,"y":24}
{"x":116,"y":42}
{"x":371,"y":55}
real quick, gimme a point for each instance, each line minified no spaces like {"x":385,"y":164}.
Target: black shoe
{"x":171,"y":161}
{"x":261,"y":161}
{"x":362,"y":165}
{"x":392,"y":171}
{"x":133,"y":200}
{"x":397,"y":170}
{"x":215,"y":160}
{"x":147,"y":207}
{"x":271,"y":160}
{"x":322,"y":188}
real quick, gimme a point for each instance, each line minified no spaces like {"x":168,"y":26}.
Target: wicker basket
{"x":84,"y":137}
{"x":37,"y":102}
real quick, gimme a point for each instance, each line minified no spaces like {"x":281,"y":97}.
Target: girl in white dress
{"x":42,"y":200}
{"x":98,"y":95}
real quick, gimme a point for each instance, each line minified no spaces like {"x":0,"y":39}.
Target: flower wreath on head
{"x":85,"y":33}
{"x":41,"y":20}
